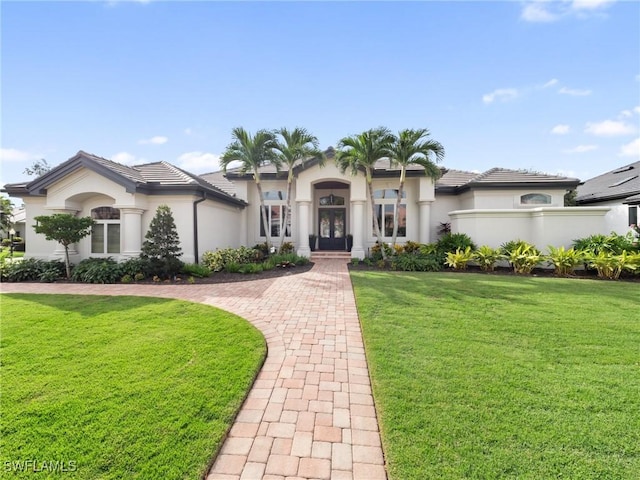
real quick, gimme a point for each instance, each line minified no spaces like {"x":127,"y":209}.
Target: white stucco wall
{"x":501,"y":198}
{"x":440,"y":212}
{"x":219,"y":226}
{"x":617,"y":219}
{"x":542,"y":226}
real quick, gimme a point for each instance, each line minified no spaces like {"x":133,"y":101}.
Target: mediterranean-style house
{"x":618,"y":189}
{"x":219,"y":210}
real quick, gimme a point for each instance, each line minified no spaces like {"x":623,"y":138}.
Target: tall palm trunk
{"x":287,"y":208}
{"x":263,"y":207}
{"x":376,"y":224}
{"x":403,"y":171}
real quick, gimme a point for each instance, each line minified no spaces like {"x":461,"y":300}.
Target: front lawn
{"x":481,"y":376}
{"x":120,"y":387}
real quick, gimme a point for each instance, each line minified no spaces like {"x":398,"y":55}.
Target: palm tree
{"x":361,"y":152}
{"x":296,"y":146}
{"x":413,"y":147}
{"x":253,"y":152}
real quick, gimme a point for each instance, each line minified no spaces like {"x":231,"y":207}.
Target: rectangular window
{"x":633,"y":215}
{"x":386,"y":226}
{"x":274,"y":221}
{"x":109,"y":243}
{"x":97,"y":239}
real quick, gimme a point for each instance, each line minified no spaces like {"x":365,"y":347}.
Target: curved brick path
{"x":310,"y":413}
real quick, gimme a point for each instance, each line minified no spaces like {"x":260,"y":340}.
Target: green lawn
{"x":484,"y":376}
{"x":123,"y":387}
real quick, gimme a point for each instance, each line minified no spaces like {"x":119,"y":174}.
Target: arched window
{"x":385,"y":203}
{"x":331,"y":200}
{"x":535,"y":199}
{"x":105,"y":234}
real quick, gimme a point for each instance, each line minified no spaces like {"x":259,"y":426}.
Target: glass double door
{"x":331,"y":234}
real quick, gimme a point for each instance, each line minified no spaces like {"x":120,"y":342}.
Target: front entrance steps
{"x":319,"y":255}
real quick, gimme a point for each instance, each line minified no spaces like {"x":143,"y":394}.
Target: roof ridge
{"x":185,"y":175}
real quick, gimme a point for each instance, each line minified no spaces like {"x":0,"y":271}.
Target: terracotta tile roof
{"x":218,"y":180}
{"x":619,"y":183}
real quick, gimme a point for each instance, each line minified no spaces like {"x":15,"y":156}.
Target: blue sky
{"x":548,"y":86}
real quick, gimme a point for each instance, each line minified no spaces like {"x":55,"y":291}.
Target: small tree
{"x":65,"y":229}
{"x":6,"y":214}
{"x":162,"y":244}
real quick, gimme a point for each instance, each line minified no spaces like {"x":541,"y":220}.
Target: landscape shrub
{"x":525,"y":258}
{"x":376,"y":251}
{"x":612,"y":243}
{"x":263,"y":248}
{"x":218,"y":260}
{"x":233,"y":267}
{"x":97,"y":270}
{"x":487,"y":257}
{"x":610,"y":266}
{"x":32,"y":269}
{"x":564,"y":261}
{"x":136,"y":265}
{"x":451,"y":242}
{"x":250,"y":268}
{"x":412,"y":262}
{"x":459,"y":259}
{"x":196,"y":270}
{"x":286,"y":247}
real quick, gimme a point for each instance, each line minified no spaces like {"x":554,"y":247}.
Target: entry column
{"x":132,"y":231}
{"x":303,"y":229}
{"x":425,"y":221}
{"x":357,"y":208}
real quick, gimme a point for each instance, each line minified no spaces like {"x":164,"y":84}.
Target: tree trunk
{"x":376,"y":224}
{"x":287,"y":208}
{"x":67,"y":263}
{"x":397,"y":207}
{"x":263,"y":207}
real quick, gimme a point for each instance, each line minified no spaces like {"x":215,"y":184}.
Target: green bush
{"x":612,"y":243}
{"x":289,"y":257}
{"x":32,"y":269}
{"x":286,"y":247}
{"x":250,"y":268}
{"x":376,"y":251}
{"x":411,"y":247}
{"x":511,"y":246}
{"x":233,"y":267}
{"x":459,"y":259}
{"x":97,"y":270}
{"x":136,"y":265}
{"x":610,"y":266}
{"x":196,"y":270}
{"x":218,"y":260}
{"x":410,"y":262}
{"x":487,"y":257}
{"x":564,"y":261}
{"x":525,"y":258}
{"x":451,"y":242}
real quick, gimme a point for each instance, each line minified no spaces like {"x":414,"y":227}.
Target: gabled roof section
{"x":458,"y":181}
{"x":151,"y":179}
{"x":622,"y":183}
{"x":218,"y":180}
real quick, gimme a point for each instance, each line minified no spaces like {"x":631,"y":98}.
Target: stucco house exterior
{"x":618,"y":189}
{"x":219,"y":210}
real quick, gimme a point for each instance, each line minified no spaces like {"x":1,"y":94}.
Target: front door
{"x":331,"y":228}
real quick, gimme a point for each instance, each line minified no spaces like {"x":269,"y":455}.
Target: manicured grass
{"x":125,"y":387}
{"x":481,"y":376}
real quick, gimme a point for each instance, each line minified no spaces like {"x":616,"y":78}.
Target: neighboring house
{"x":618,"y":189}
{"x":18,"y":218}
{"x":218,"y":211}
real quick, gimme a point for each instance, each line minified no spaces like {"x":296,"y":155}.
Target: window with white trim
{"x":105,"y":234}
{"x":385,"y":203}
{"x":633,"y":215}
{"x":275,"y":202}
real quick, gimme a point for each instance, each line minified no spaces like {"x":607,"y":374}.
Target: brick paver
{"x":310,"y":413}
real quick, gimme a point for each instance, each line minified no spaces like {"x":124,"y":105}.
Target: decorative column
{"x":303,"y":228}
{"x":357,"y":209}
{"x":131,"y":234}
{"x":425,"y":221}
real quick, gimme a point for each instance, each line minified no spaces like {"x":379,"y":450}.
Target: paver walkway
{"x":310,"y":413}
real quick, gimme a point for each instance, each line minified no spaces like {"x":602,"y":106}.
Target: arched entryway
{"x":332,"y":215}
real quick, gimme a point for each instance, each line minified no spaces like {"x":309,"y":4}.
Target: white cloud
{"x":560,"y":129}
{"x":574,"y":92}
{"x":631,"y":149}
{"x":581,"y":149}
{"x":609,"y":128}
{"x":501,"y":95}
{"x":15,"y":155}
{"x":550,"y":83}
{"x":538,"y":12}
{"x":626,"y":113}
{"x":590,"y":4}
{"x":188,"y":131}
{"x":637,"y":109}
{"x":199,"y":162}
{"x":125,"y":158}
{"x":157,"y":140}
{"x":542,"y":11}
